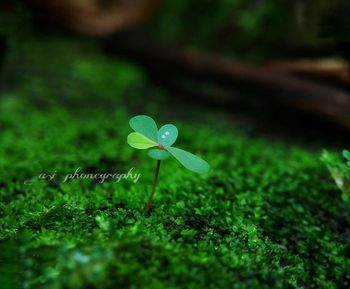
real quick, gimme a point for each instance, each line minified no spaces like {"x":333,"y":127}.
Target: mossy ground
{"x":268,"y":214}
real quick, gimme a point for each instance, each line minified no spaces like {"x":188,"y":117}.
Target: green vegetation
{"x":267,"y":215}
{"x":254,"y":30}
{"x":340,"y":171}
{"x":147,"y":135}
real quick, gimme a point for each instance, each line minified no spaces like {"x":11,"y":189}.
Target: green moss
{"x":266,"y":216}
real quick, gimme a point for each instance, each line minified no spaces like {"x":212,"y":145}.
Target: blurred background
{"x":271,"y":78}
{"x":279,"y":67}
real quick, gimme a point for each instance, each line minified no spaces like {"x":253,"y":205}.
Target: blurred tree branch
{"x":330,"y":69}
{"x":323,"y":100}
{"x":96,"y":17}
{"x":101,"y":18}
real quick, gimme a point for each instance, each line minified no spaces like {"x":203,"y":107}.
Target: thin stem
{"x":149,"y":202}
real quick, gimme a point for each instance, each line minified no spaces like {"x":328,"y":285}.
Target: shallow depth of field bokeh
{"x":269,"y":214}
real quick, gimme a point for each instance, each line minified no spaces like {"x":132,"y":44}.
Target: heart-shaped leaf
{"x":167,"y":134}
{"x":189,"y":161}
{"x":158,"y":154}
{"x":145,"y":125}
{"x":139,"y":141}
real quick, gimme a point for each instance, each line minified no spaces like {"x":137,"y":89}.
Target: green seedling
{"x":340,"y":171}
{"x":147,"y":136}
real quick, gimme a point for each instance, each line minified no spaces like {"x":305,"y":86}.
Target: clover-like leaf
{"x":167,"y":134}
{"x":189,"y":161}
{"x":145,"y":125}
{"x":139,"y":141}
{"x":146,"y":136}
{"x":158,"y":154}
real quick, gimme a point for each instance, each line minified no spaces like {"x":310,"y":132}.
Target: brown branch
{"x":320,"y":99}
{"x":90,"y":17}
{"x":332,"y":69}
